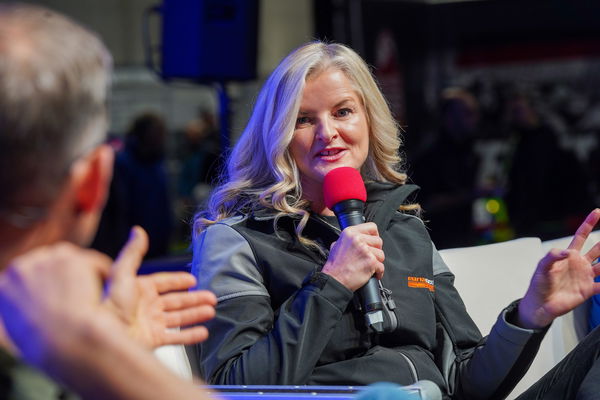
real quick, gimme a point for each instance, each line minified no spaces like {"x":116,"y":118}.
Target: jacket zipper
{"x":324,"y":221}
{"x":390,"y":305}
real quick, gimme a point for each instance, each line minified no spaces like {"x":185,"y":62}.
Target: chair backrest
{"x":176,"y":359}
{"x":488,"y":278}
{"x":492,"y":275}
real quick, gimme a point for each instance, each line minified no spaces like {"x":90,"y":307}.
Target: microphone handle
{"x":349,"y":213}
{"x":371,"y":296}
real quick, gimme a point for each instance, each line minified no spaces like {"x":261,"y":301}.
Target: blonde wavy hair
{"x":261,"y":173}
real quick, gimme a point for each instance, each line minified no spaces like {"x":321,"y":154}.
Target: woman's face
{"x":331,"y":129}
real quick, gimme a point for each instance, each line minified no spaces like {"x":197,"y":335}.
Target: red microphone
{"x":345,"y":194}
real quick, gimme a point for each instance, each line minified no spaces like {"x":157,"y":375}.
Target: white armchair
{"x":489,"y":277}
{"x":176,"y":359}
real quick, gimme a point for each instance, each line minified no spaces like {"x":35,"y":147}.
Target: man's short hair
{"x":54,"y":79}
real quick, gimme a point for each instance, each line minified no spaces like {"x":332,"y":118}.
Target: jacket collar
{"x":376,"y":193}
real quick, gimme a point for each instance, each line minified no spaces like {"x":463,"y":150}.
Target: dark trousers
{"x":577,"y":376}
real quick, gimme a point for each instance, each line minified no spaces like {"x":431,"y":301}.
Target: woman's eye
{"x":343,"y":112}
{"x":302,"y":120}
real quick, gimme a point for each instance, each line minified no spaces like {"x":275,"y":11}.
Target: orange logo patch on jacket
{"x":420,"y":282}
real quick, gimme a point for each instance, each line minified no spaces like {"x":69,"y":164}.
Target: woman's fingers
{"x":593,"y":254}
{"x":584,"y":230}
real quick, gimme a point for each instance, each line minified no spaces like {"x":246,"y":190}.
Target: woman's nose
{"x":326,"y":131}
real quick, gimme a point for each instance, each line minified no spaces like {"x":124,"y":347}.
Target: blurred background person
{"x":139,"y":191}
{"x":446,"y":172}
{"x":546,"y":189}
{"x":199,"y":156}
{"x":200,"y":152}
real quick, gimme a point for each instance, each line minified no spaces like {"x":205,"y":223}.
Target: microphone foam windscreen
{"x":344,"y":183}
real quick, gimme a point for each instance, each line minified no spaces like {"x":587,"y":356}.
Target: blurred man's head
{"x":460,"y":114}
{"x":146,"y":138}
{"x":521,"y":113}
{"x":54,"y":79}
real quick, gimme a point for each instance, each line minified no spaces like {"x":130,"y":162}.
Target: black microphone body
{"x":349,"y":213}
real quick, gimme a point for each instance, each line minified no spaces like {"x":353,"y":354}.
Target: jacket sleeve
{"x":475,"y":367}
{"x":249,"y":342}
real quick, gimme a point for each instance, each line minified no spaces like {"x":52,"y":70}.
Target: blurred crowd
{"x":509,"y":161}
{"x":159,"y":180}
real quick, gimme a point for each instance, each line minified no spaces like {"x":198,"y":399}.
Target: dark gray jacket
{"x":282,"y":322}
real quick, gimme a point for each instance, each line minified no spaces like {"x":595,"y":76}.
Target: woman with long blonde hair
{"x":261,"y":171}
{"x":286,"y":275}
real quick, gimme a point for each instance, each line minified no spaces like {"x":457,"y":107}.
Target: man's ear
{"x":91,"y":177}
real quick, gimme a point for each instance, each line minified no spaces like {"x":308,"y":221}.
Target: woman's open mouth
{"x":330,"y":154}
